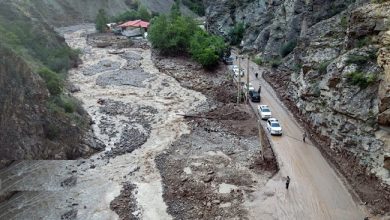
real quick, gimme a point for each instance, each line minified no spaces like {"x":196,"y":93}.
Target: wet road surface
{"x":315,"y":190}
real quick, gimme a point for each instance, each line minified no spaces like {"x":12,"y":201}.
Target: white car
{"x":237,"y":71}
{"x":264,"y":112}
{"x":249,"y":87}
{"x":274,"y":127}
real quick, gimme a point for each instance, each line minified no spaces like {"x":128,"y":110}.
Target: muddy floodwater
{"x":155,"y":165}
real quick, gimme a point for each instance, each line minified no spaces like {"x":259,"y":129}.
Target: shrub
{"x":52,"y":131}
{"x":344,"y":22}
{"x":323,"y":66}
{"x":288,"y":48}
{"x":236,"y":33}
{"x":143,"y":13}
{"x":357,"y":59}
{"x":101,"y":21}
{"x":363,"y":41}
{"x":195,"y":6}
{"x":360,"y":79}
{"x":53,"y":81}
{"x":206,"y":49}
{"x":275,"y":63}
{"x":171,"y":34}
{"x":258,"y":61}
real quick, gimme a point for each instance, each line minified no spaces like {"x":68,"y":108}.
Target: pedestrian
{"x":259,"y":90}
{"x":287,"y":182}
{"x":304,"y":136}
{"x":256,"y":74}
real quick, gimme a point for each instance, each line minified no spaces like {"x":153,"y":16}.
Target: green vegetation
{"x":364,"y":41}
{"x":323,"y":66}
{"x":195,"y":6}
{"x":344,"y":22}
{"x":357,"y":59}
{"x":141,"y":13}
{"x":236,"y":33}
{"x":297,"y":67}
{"x":360,"y":79}
{"x":53,"y":82}
{"x":275,"y":63}
{"x":206,"y":49}
{"x":288,"y":48}
{"x":101,"y":21}
{"x":258,"y":61}
{"x":175,"y":34}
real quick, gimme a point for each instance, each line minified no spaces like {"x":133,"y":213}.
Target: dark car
{"x":255,"y":96}
{"x":228,"y":60}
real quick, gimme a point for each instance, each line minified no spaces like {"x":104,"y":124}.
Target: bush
{"x":357,"y":59}
{"x":101,"y":21}
{"x":206,"y":49}
{"x":344,"y":22}
{"x":195,"y":6}
{"x":364,"y":41}
{"x":171,"y":34}
{"x":258,"y":61}
{"x":287,"y":48}
{"x":275,"y":63}
{"x":236,"y":33}
{"x":323,"y":66}
{"x":53,"y":81}
{"x":360,"y":79}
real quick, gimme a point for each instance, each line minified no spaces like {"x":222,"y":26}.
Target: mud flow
{"x":156,"y":163}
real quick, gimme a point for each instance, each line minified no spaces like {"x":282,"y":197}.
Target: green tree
{"x":171,"y":34}
{"x":101,"y":20}
{"x":143,"y":13}
{"x":236,"y":33}
{"x":175,"y":9}
{"x":206,"y":49}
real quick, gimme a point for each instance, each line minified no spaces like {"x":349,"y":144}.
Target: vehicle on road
{"x":228,"y":60}
{"x":248,"y":87}
{"x":264,"y":112}
{"x":273,"y":126}
{"x":237,"y":71}
{"x":254,"y":96}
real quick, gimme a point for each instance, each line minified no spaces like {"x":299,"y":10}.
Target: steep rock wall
{"x":331,"y":78}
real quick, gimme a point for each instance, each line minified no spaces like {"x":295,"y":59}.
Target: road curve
{"x":315,"y":192}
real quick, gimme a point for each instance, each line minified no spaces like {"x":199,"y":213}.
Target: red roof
{"x":136,"y":23}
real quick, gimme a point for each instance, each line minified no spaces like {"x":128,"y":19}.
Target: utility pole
{"x":239,"y":79}
{"x":247,"y":81}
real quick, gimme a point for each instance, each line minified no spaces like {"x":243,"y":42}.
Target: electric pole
{"x":239,"y":79}
{"x":247,"y":81}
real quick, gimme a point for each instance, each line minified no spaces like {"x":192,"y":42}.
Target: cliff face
{"x":331,"y":75}
{"x":35,"y":124}
{"x":71,"y":12}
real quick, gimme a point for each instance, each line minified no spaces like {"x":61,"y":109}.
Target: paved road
{"x":315,"y":191}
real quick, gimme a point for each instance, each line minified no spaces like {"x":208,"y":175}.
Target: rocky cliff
{"x":330,"y":65}
{"x":34,"y":123}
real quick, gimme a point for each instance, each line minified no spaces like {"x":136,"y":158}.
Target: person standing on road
{"x":304,"y":136}
{"x":256,"y":74}
{"x":259,"y":90}
{"x":287,"y":182}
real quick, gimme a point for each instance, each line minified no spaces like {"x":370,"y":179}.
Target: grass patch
{"x":53,"y":81}
{"x":322,"y":68}
{"x":287,"y":48}
{"x":344,"y":22}
{"x":360,"y":79}
{"x":365,"y":41}
{"x":258,"y":61}
{"x":275,"y":63}
{"x":358,"y":59}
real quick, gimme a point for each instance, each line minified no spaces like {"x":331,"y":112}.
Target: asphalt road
{"x":315,"y":191}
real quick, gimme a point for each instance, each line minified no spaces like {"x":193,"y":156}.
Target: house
{"x":134,"y":28}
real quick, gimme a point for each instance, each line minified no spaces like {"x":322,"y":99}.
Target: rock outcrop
{"x":331,"y":66}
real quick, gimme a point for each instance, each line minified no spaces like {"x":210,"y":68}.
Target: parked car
{"x":264,"y":112}
{"x":254,"y":96}
{"x":228,"y":60}
{"x":248,"y":88}
{"x":273,"y":126}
